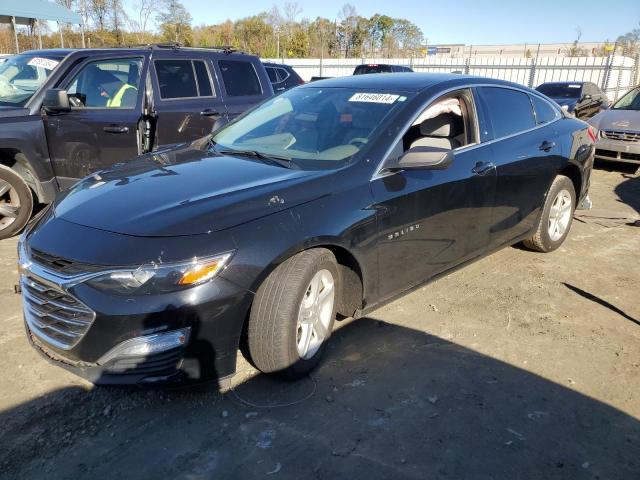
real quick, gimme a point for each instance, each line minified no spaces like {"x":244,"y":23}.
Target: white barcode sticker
{"x":45,"y":63}
{"x":374,"y":97}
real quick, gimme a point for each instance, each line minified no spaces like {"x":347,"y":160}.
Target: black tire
{"x":272,"y":332}
{"x":19,"y":193}
{"x":541,"y":241}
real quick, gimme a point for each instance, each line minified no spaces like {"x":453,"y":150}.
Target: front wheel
{"x":293,"y":313}
{"x":556,"y":218}
{"x":16,"y":203}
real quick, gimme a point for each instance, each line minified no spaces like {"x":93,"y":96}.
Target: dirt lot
{"x":522,"y":365}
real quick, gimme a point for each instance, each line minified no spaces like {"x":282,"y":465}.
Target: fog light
{"x":148,"y":345}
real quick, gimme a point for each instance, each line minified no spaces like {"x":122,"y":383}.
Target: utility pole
{"x":15,"y":34}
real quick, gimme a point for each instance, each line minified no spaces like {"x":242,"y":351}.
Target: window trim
{"x":224,"y":84}
{"x":379,"y":168}
{"x":195,"y":77}
{"x":90,"y":60}
{"x":285,"y":71}
{"x":535,"y":113}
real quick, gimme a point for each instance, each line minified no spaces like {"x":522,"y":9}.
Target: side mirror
{"x":56,"y":100}
{"x":425,"y":158}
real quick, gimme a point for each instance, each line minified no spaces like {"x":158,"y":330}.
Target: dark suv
{"x":283,"y":77}
{"x":67,"y":113}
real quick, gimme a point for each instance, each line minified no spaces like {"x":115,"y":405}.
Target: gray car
{"x":619,"y":130}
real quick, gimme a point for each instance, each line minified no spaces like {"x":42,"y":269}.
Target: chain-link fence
{"x":615,"y":74}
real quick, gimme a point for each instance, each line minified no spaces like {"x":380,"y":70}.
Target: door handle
{"x":547,"y":145}
{"x":209,"y":113}
{"x":116,"y":129}
{"x":482,"y":168}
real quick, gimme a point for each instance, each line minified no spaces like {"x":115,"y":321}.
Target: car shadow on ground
{"x":629,"y":192}
{"x":388,"y":402}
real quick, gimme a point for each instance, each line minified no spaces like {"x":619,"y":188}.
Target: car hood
{"x":183,"y":191}
{"x":617,"y":120}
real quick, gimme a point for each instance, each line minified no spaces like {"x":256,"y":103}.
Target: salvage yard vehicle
{"x":583,"y":99}
{"x":326,"y":201}
{"x":619,"y":130}
{"x":283,"y":77}
{"x":380,"y":68}
{"x":67,"y":113}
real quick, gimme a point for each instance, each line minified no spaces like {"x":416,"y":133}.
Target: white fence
{"x":614,"y":74}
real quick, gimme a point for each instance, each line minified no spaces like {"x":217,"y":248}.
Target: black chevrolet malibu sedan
{"x":324,"y":202}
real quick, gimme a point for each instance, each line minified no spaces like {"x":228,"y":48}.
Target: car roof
{"x":274,"y":64}
{"x":563,"y":83}
{"x":136,"y":49}
{"x":409,"y":81}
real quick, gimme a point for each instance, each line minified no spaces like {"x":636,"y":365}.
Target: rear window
{"x":560,"y":90}
{"x":183,"y":79}
{"x":545,"y":113}
{"x":508,"y":110}
{"x":364,"y":69}
{"x":240,"y":78}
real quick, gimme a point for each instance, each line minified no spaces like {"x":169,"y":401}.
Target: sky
{"x":462,"y":21}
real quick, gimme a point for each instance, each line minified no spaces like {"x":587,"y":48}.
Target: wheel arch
{"x":574,"y":173}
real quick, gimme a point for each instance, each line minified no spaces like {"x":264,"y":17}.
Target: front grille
{"x":62,"y":265}
{"x":623,"y":135}
{"x":54,"y":315}
{"x":606,"y":153}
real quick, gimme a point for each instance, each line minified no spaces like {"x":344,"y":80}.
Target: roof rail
{"x":227,"y":49}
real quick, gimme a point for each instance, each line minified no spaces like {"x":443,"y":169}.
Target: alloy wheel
{"x":559,"y":215}
{"x":9,"y":204}
{"x":314,"y":315}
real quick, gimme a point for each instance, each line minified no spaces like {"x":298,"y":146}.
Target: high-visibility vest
{"x":116,"y":100}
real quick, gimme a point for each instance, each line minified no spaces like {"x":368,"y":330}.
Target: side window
{"x":448,"y":123}
{"x":273,"y":76}
{"x":509,"y":111}
{"x":282,"y":74}
{"x":545,"y":113}
{"x":239,"y":78}
{"x":183,"y":79}
{"x":204,"y":80}
{"x":111,"y":83}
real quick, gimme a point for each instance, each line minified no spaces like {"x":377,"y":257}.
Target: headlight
{"x":159,"y":278}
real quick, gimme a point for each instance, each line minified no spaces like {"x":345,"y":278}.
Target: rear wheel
{"x":556,"y":218}
{"x":16,"y":203}
{"x":293,"y":313}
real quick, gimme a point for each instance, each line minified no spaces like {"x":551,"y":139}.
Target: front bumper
{"x":617,"y":151}
{"x":211,"y":314}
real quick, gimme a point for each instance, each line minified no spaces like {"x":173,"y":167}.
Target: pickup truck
{"x":67,"y":113}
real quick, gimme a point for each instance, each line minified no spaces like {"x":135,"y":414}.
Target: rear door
{"x":526,"y":152}
{"x":103,"y":126}
{"x":187,"y":99}
{"x":242,"y":84}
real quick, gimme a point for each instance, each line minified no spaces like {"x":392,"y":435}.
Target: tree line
{"x":275,"y":33}
{"x":278,"y":32}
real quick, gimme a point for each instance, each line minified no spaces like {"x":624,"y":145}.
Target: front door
{"x":187,"y":100}
{"x":102,"y":127}
{"x":431,"y":220}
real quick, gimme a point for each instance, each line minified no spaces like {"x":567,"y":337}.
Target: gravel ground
{"x":522,"y":365}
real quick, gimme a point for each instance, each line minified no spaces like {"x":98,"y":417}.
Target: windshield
{"x":630,"y":101}
{"x":560,"y":90}
{"x":22,"y":75}
{"x":313,"y":127}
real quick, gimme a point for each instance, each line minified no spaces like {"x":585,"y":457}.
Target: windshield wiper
{"x":277,"y":159}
